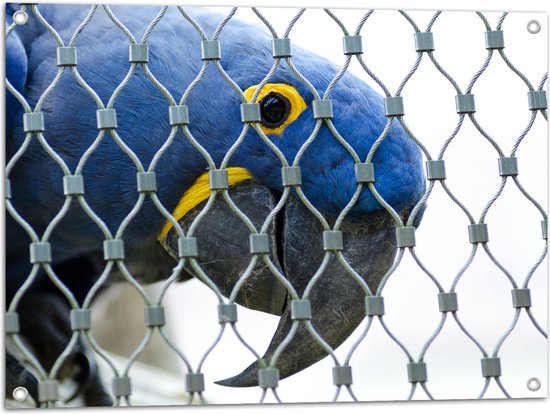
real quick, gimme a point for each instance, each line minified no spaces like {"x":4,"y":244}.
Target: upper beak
{"x":337,"y":300}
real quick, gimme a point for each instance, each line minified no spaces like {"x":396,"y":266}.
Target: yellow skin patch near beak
{"x":200,"y":191}
{"x":297,"y":104}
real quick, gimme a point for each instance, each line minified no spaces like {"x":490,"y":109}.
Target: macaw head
{"x":286,"y":204}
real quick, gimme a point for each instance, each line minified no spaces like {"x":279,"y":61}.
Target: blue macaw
{"x":327,"y":170}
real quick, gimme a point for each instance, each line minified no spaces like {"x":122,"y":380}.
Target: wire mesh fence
{"x":124,"y":228}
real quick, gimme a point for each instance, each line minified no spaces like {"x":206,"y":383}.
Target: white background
{"x":442,"y":241}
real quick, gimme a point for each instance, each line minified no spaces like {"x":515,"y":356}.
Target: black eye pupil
{"x":274,"y":109}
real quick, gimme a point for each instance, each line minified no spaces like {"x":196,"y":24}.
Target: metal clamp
{"x":353,"y":45}
{"x":33,"y":122}
{"x":73,"y":185}
{"x":194,"y":382}
{"x":48,"y":391}
{"x":154,"y":316}
{"x":66,"y":56}
{"x":40,"y":252}
{"x":478,"y":233}
{"x":218,"y":179}
{"x":146,"y":182}
{"x":508,"y":166}
{"x":178,"y":115}
{"x":250,"y":112}
{"x":494,"y":39}
{"x":227,"y":313}
{"x":521,"y":298}
{"x":322,"y":109}
{"x":424,"y":41}
{"x":435,"y":170}
{"x":113,"y":249}
{"x":364,"y":172}
{"x":333,"y":240}
{"x":7,"y":189}
{"x":210,"y":50}
{"x":300,"y":309}
{"x":448,"y":302}
{"x":417,"y":372}
{"x":11,"y":323}
{"x":81,"y":319}
{"x":291,"y":176}
{"x":341,"y":375}
{"x":139,"y":53}
{"x":268,"y":377}
{"x":122,"y":387}
{"x":465,"y":103}
{"x":281,"y":48}
{"x":394,"y":106}
{"x":106,"y":118}
{"x":490,"y":367}
{"x":537,"y":100}
{"x":405,"y":237}
{"x":187,"y":247}
{"x":374,"y":306}
{"x":259,"y":244}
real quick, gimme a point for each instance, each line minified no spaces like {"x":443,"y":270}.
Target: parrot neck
{"x":200,"y":191}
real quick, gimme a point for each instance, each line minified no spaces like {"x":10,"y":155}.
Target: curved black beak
{"x":337,"y":299}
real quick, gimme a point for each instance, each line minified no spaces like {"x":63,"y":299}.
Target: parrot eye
{"x":280,"y":105}
{"x":274,"y":109}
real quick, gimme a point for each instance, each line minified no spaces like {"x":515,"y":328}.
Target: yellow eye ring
{"x":282,"y":97}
